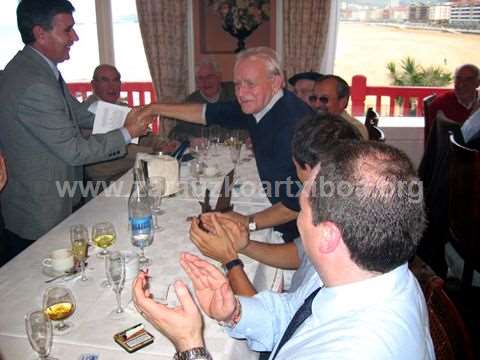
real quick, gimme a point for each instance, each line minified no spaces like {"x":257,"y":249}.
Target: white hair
{"x":267,"y":55}
{"x":207,"y":60}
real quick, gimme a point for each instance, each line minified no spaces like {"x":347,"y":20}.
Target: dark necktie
{"x":300,"y":316}
{"x":60,"y":81}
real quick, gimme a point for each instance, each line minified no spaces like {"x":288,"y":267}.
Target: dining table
{"x":23,"y":279}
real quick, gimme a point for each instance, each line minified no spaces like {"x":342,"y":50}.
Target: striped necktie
{"x":300,"y":316}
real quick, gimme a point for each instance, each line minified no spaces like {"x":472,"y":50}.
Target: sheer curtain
{"x":164,"y":34}
{"x":305,"y":30}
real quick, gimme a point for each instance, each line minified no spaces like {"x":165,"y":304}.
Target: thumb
{"x":185,"y":298}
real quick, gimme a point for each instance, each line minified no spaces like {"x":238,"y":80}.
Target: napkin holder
{"x":160,"y":166}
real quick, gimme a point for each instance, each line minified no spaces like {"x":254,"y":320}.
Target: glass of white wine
{"x":40,"y":334}
{"x":79,"y":240}
{"x":103,"y":236}
{"x":115,"y":271}
{"x":156,"y":191}
{"x":58,"y":305}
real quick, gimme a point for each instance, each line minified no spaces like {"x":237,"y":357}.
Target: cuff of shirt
{"x":204,"y":113}
{"x":126,"y":135}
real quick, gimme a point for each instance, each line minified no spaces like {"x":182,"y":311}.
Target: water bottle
{"x":140,"y":213}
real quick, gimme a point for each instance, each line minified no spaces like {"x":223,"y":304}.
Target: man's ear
{"x":38,"y":34}
{"x":329,"y":237}
{"x":344,"y":102}
{"x":277,"y":83}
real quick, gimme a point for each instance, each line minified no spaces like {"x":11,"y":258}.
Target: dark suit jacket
{"x":40,"y":135}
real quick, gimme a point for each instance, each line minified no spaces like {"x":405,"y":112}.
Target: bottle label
{"x":141,"y":224}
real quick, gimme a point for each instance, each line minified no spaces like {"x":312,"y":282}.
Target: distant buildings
{"x":455,"y":13}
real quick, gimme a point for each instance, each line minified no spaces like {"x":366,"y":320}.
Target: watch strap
{"x":231,"y":264}
{"x":193,"y":354}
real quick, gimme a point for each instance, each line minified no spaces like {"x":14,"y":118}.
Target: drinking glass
{"x":115,"y":271}
{"x":79,"y":240}
{"x":214,"y":140}
{"x":39,"y":331}
{"x":59,"y":304}
{"x":103,"y":236}
{"x":156,"y":191}
{"x":235,"y":150}
{"x":196,"y":170}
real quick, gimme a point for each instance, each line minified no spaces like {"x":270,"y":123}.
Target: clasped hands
{"x":138,"y":119}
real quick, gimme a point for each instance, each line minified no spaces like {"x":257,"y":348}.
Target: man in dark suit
{"x":41,"y":122}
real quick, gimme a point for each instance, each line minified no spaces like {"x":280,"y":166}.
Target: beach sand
{"x":366,"y":49}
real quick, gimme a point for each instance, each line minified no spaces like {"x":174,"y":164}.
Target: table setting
{"x":97,"y":239}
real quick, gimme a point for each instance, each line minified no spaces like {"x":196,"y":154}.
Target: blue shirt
{"x":384,"y":317}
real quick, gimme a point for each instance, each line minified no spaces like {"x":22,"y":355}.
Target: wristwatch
{"x":198,"y":353}
{"x":252,"y":225}
{"x":231,"y":264}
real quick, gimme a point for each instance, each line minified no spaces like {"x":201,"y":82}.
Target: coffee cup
{"x":60,"y":260}
{"x":211,"y":170}
{"x":131,"y":264}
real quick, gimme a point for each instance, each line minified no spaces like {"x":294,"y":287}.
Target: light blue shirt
{"x":471,"y":127}
{"x":384,"y":317}
{"x":304,"y":271}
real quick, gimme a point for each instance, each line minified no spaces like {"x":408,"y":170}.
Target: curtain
{"x":164,"y":33}
{"x":305,"y":30}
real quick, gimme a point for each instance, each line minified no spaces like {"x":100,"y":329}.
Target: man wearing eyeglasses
{"x":331,"y":94}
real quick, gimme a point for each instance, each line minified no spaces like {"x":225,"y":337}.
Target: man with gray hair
{"x":459,"y":104}
{"x":210,"y":89}
{"x":270,"y":114}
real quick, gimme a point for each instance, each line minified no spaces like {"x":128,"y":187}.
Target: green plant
{"x":412,"y":74}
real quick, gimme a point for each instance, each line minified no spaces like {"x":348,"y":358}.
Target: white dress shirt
{"x":384,"y":317}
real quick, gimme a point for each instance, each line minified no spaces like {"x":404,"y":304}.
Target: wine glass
{"x":156,"y":191}
{"x":115,"y":271}
{"x":103,"y":236}
{"x":235,"y":150}
{"x":39,"y":331}
{"x":79,"y":240}
{"x":214,"y":137}
{"x":59,"y":304}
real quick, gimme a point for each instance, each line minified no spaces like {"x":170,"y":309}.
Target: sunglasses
{"x":322,"y":99}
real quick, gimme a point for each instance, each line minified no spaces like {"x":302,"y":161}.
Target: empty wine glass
{"x":103,"y":236}
{"x":115,"y":271}
{"x":59,"y":304}
{"x":79,"y":240}
{"x":196,"y":169}
{"x":235,"y":150}
{"x":156,"y":191}
{"x":39,"y":331}
{"x":214,"y":139}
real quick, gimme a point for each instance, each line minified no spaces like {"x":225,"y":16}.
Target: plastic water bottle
{"x":140,"y":214}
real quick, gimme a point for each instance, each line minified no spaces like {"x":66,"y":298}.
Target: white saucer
{"x":49,"y":271}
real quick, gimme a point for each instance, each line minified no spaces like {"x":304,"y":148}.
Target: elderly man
{"x":210,"y":89}
{"x":227,"y":237}
{"x":459,"y":104}
{"x":362,"y":305}
{"x":331,"y":93}
{"x":303,"y":84}
{"x":106,"y":83}
{"x":270,"y":115}
{"x":41,"y":122}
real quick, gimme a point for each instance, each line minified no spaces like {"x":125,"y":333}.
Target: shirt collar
{"x":332,"y":300}
{"x":258,"y":116}
{"x":470,"y":104}
{"x":211,"y":100}
{"x":50,"y":63}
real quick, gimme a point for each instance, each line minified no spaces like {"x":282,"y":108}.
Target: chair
{"x":427,"y":116}
{"x":464,"y":206}
{"x":371,"y":123}
{"x":450,"y":337}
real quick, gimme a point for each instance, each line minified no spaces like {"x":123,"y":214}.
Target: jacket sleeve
{"x":44,"y":114}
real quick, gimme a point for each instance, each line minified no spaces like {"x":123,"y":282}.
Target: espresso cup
{"x":60,"y":260}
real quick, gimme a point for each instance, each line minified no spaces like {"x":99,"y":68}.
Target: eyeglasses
{"x":314,"y":98}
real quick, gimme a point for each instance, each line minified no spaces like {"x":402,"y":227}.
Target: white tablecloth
{"x":22,"y":281}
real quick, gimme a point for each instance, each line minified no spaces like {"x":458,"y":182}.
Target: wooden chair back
{"x":450,"y":336}
{"x":464,"y":206}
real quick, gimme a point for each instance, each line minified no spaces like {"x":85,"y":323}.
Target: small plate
{"x":49,"y":271}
